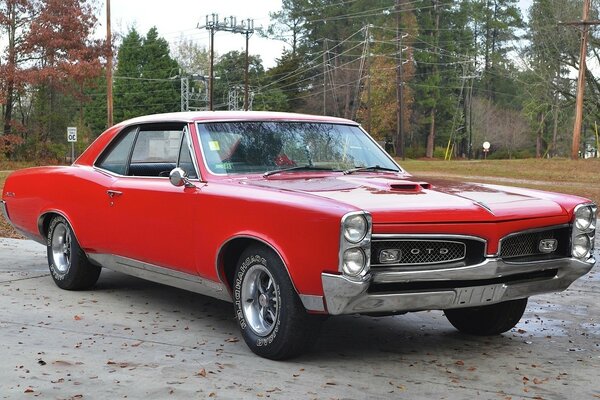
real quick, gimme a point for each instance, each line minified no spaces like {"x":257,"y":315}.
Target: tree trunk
{"x":431,"y":136}
{"x":554,"y":128}
{"x":9,"y":107}
{"x":11,"y":67}
{"x":486,"y":50}
{"x":539,"y":140}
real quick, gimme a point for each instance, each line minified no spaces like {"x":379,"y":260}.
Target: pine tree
{"x":146,"y":77}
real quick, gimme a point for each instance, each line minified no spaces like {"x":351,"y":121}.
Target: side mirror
{"x":179,"y":178}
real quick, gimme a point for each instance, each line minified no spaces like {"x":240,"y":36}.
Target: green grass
{"x":581,"y":177}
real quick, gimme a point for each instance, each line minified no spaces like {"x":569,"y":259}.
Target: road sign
{"x":486,"y":149}
{"x":71,"y":134}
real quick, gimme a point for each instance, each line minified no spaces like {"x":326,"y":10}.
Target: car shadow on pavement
{"x":407,"y":336}
{"x":130,"y":292}
{"x":412,"y":335}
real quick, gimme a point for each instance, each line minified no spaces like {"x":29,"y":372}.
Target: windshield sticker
{"x":225,"y":165}
{"x":214,"y":145}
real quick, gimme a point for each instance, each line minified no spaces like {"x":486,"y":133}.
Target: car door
{"x":152,"y":220}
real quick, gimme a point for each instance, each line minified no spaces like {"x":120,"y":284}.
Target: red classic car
{"x":294,"y":217}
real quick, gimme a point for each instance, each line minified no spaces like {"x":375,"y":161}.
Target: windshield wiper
{"x":297,"y":168}
{"x":371,"y":168}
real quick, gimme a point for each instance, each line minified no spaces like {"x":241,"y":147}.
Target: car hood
{"x":384,"y":196}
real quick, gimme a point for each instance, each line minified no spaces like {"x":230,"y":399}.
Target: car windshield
{"x":266,"y":147}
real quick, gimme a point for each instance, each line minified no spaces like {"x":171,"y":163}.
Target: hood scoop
{"x":389,"y":185}
{"x":410,"y":186}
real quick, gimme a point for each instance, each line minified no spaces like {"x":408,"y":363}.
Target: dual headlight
{"x":584,"y":229}
{"x":355,"y":244}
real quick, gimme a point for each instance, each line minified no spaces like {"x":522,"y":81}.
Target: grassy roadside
{"x":581,"y":177}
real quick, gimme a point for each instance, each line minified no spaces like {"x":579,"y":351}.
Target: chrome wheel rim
{"x":260,"y":303}
{"x":61,"y":248}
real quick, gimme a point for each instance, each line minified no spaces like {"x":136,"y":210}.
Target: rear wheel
{"x":271,"y":317}
{"x":487,"y":320}
{"x":69,"y":266}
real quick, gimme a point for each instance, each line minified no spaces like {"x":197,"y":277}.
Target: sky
{"x":176,"y":19}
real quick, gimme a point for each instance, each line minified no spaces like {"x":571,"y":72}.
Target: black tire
{"x":69,"y":266}
{"x":286,"y":330}
{"x":487,"y":320}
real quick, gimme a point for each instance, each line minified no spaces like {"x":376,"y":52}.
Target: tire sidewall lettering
{"x":237,"y":299}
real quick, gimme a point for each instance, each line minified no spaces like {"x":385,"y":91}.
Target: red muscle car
{"x":294,"y":217}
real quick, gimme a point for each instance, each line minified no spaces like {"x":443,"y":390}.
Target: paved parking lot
{"x":134,"y":339}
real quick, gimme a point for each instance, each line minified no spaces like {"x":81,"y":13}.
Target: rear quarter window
{"x":116,"y":159}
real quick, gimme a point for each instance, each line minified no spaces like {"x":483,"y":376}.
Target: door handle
{"x":113,"y":193}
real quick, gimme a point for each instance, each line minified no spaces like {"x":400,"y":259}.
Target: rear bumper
{"x":345,"y":296}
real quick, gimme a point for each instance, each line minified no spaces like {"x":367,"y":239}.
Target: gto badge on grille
{"x":388,"y":256}
{"x":548,"y":245}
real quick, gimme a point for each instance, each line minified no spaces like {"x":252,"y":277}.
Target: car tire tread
{"x":488,"y":320}
{"x":81,"y":274}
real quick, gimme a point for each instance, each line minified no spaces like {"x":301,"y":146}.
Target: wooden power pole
{"x":213,"y":24}
{"x":399,"y":142}
{"x":109,"y":67}
{"x":584,"y":23}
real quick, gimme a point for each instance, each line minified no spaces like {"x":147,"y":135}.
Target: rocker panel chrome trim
{"x":162,"y":275}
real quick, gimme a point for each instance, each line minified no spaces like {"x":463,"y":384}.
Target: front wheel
{"x":487,"y":320}
{"x":271,"y":317}
{"x":69,"y":266}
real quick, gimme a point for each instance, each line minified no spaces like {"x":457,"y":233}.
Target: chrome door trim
{"x":162,"y":275}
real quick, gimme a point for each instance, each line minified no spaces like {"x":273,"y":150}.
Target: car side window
{"x":151,"y":150}
{"x":117,"y":158}
{"x":185,"y":157}
{"x":155,"y":151}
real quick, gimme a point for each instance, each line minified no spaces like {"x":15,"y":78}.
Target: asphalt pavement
{"x":130,"y":338}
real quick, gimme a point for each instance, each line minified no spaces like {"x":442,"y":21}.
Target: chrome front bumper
{"x":345,"y":296}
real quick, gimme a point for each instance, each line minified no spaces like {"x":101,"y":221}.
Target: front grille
{"x":414,"y":252}
{"x":525,"y":246}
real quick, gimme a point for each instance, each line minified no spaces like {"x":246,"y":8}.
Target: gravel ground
{"x":129,"y":338}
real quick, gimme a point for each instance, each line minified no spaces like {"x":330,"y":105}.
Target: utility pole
{"x":585,"y":24}
{"x":246,"y":73}
{"x":211,"y":72}
{"x":229,"y":24}
{"x":369,"y":85}
{"x":325,"y":76}
{"x":399,"y":142}
{"x":109,"y":67}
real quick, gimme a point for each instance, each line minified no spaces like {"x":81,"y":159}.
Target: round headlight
{"x":584,"y":218}
{"x":581,"y":246}
{"x":355,"y":228}
{"x":354,"y":261}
